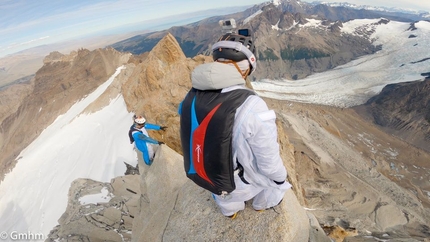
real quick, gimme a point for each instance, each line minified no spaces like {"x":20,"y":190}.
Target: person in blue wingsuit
{"x":140,"y":137}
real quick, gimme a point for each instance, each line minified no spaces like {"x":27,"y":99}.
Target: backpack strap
{"x":130,"y":133}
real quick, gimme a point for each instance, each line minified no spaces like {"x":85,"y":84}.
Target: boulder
{"x":173,"y":208}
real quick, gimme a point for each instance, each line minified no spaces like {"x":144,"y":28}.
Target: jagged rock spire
{"x":158,"y":84}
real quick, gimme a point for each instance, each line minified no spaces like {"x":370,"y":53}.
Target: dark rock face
{"x":404,"y":109}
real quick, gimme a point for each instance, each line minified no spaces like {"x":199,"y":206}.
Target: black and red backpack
{"x":206,"y":127}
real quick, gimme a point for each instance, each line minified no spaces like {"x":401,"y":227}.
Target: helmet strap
{"x":244,"y":75}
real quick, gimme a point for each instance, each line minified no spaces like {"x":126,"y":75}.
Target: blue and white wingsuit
{"x":143,"y":142}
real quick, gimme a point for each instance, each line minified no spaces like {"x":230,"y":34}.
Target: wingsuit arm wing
{"x":152,"y":126}
{"x":147,"y":139}
{"x":264,"y":143}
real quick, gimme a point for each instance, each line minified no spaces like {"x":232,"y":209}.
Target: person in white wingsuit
{"x":259,"y":174}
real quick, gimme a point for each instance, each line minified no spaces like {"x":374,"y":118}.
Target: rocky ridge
{"x":109,"y":217}
{"x":160,"y":218}
{"x":158,"y":83}
{"x":61,"y":81}
{"x":403,"y":110}
{"x":149,"y":207}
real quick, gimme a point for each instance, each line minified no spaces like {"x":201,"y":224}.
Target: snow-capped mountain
{"x":402,"y":58}
{"x":281,"y":30}
{"x":424,"y":14}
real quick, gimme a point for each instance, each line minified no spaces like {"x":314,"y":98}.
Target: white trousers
{"x":263,"y":197}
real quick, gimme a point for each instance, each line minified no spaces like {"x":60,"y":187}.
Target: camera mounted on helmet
{"x":235,"y":46}
{"x":228,"y":26}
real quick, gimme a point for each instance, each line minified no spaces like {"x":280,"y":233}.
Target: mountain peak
{"x":167,"y":50}
{"x":158,"y":83}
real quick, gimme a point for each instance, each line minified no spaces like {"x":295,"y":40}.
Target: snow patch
{"x":424,"y":25}
{"x":276,"y":2}
{"x":103,"y":197}
{"x":276,"y":27}
{"x":392,"y":152}
{"x":252,"y":16}
{"x":315,"y":23}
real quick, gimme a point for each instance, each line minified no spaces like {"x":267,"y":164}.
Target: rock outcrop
{"x":185,"y":201}
{"x":157,"y":85}
{"x":99,"y":211}
{"x":154,"y":86}
{"x":402,"y":109}
{"x":11,"y":96}
{"x":161,"y":204}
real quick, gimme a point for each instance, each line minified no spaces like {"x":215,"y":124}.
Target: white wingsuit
{"x":255,"y":143}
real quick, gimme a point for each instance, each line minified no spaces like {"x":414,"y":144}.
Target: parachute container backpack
{"x":206,"y":136}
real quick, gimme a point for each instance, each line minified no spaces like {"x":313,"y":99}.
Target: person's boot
{"x":261,"y":210}
{"x":233,"y":216}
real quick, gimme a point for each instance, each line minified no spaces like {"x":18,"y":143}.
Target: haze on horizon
{"x":26,"y":24}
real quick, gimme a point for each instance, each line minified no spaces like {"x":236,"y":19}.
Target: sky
{"x":34,"y":194}
{"x":25,"y":24}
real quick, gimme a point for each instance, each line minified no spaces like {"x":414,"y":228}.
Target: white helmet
{"x":139,"y":120}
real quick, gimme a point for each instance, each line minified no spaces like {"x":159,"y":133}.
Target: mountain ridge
{"x":402,"y":109}
{"x":54,"y":89}
{"x":412,"y":12}
{"x":289,"y":39}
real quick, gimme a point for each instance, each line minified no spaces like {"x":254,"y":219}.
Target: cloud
{"x":16,"y":45}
